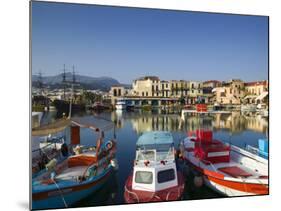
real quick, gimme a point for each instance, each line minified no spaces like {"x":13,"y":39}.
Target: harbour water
{"x":233,"y":128}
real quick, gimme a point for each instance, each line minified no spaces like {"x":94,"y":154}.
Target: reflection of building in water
{"x":257,"y":123}
{"x":237,"y":123}
{"x":234,"y":122}
{"x":117,"y":118}
{"x":155,"y":122}
{"x":170,"y":123}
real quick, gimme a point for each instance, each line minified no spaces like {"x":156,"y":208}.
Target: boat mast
{"x":63,"y":81}
{"x":40,"y":82}
{"x":72,"y":91}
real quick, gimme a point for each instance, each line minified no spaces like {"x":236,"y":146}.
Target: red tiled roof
{"x":255,"y":83}
{"x":211,"y":81}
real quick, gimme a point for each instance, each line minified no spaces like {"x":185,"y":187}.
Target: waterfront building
{"x":165,"y":88}
{"x":256,"y":92}
{"x":231,"y":92}
{"x":195,"y":92}
{"x":116,"y":91}
{"x":178,"y":88}
{"x":147,"y":86}
{"x":208,"y":86}
{"x":153,"y":91}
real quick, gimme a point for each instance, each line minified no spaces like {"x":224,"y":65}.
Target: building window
{"x":119,"y":92}
{"x":142,"y":93}
{"x":156,"y":88}
{"x":166,"y":85}
{"x":114,"y":92}
{"x":162,"y":86}
{"x":152,"y":87}
{"x":146,"y":93}
{"x":192,"y":86}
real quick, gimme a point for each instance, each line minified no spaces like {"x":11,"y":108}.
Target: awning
{"x":51,"y":128}
{"x":218,"y":89}
{"x":96,"y":124}
{"x":250,"y":97}
{"x":262,"y":96}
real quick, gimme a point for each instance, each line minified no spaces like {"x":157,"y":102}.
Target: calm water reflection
{"x":233,"y":128}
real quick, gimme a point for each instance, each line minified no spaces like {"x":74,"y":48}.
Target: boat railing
{"x":154,"y":156}
{"x":252,"y":149}
{"x":210,"y":163}
{"x":42,"y":148}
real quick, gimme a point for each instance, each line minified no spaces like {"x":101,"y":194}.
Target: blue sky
{"x":126,"y":43}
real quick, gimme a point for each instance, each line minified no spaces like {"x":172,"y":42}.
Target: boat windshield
{"x":144,"y":177}
{"x":155,"y":153}
{"x":166,"y":175}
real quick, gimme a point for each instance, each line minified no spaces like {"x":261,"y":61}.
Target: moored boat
{"x":155,"y":176}
{"x":52,"y":142}
{"x":65,"y":182}
{"x":227,"y":169}
{"x":121,"y":105}
{"x":98,"y":106}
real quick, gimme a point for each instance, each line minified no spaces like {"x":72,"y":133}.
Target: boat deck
{"x":229,"y":169}
{"x":72,"y":173}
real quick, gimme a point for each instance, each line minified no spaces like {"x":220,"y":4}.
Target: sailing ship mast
{"x":72,"y":91}
{"x":69,"y":82}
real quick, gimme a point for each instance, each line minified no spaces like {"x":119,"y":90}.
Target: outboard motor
{"x":64,"y":150}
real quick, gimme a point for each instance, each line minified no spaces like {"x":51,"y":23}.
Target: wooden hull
{"x":68,"y":195}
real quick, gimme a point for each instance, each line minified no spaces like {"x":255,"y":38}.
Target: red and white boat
{"x":155,"y":176}
{"x":227,"y":169}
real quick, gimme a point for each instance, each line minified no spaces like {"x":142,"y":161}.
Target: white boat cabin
{"x":155,"y":167}
{"x":120,"y":104}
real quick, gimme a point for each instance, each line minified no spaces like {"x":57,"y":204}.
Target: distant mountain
{"x":87,"y":82}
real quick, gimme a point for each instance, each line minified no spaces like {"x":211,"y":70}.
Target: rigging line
{"x":65,"y":204}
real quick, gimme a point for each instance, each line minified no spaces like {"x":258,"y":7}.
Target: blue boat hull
{"x":70,"y":194}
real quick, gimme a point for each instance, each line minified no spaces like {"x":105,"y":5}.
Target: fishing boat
{"x":42,"y":155}
{"x":65,"y":182}
{"x":121,"y":105}
{"x":98,"y":106}
{"x":52,"y":142}
{"x":155,"y":176}
{"x":225,"y":168}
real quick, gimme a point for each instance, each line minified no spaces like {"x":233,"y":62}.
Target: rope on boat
{"x":130,"y":192}
{"x":65,"y":204}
